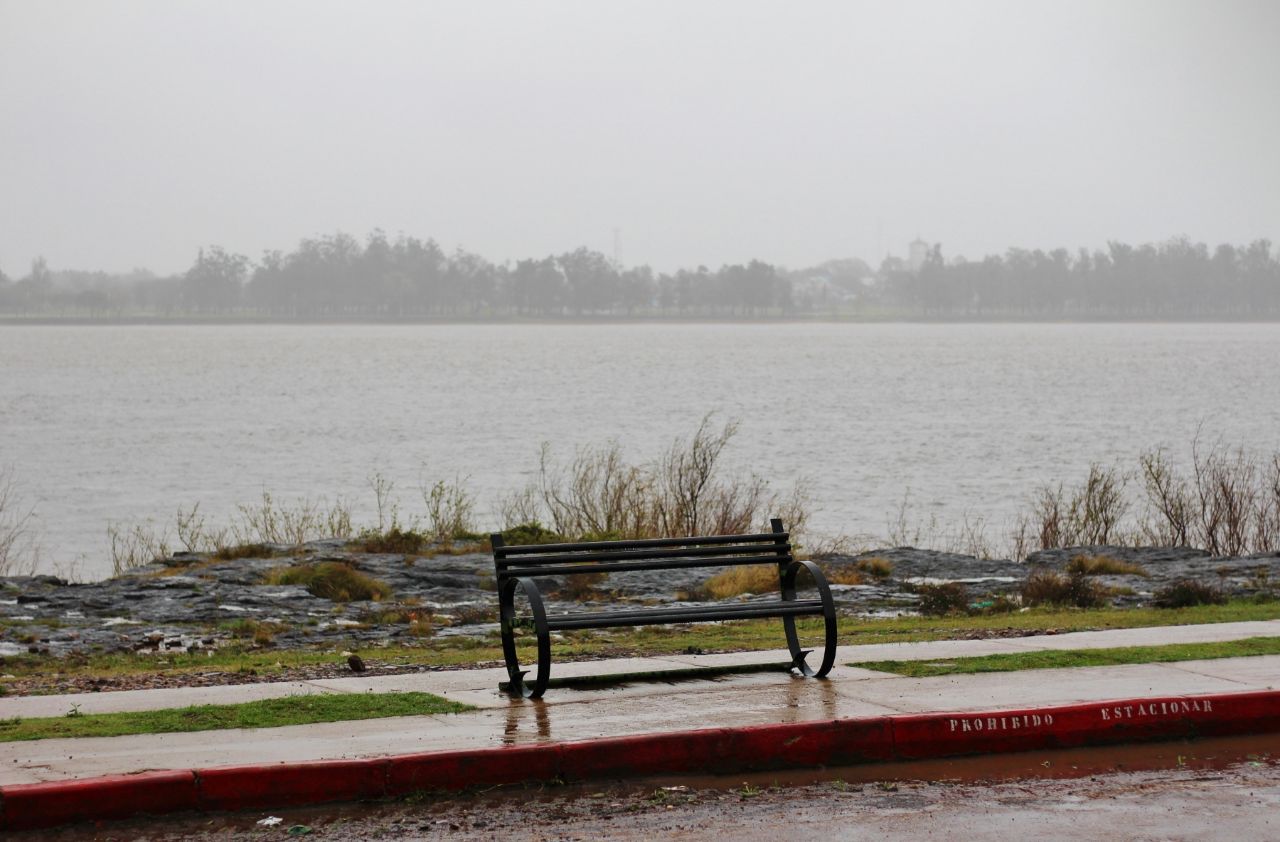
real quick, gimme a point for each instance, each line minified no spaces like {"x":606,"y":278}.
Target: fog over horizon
{"x":134,"y":133}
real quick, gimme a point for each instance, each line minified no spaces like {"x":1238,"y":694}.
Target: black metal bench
{"x":517,"y":566}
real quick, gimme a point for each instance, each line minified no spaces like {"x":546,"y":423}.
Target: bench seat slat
{"x":626,"y":566}
{"x":743,"y":611}
{"x":645,"y":543}
{"x":623,"y":555}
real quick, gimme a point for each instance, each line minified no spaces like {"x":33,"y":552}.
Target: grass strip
{"x":738,"y":636}
{"x":1057,"y":659}
{"x":267,"y":713}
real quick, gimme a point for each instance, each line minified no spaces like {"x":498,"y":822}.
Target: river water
{"x":963,"y":421}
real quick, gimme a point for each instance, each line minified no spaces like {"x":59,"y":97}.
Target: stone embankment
{"x":191,"y":602}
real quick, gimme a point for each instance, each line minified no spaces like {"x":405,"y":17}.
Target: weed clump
{"x":736,"y":581}
{"x":395,"y":540}
{"x":1185,"y":593}
{"x":843,"y":574}
{"x":239,"y":551}
{"x":332,"y":580}
{"x":875,"y":567}
{"x":943,"y":599}
{"x":581,"y":587}
{"x":1045,"y":587}
{"x":1104,"y":565}
{"x":531,"y":533}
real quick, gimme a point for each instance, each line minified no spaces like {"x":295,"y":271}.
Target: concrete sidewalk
{"x":566,"y":715}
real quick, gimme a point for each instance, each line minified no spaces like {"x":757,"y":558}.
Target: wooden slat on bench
{"x":743,"y":611}
{"x":728,"y":549}
{"x":644,"y":543}
{"x":626,"y":566}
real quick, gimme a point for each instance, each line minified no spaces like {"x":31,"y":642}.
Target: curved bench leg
{"x":798,"y":655}
{"x":507,"y":613}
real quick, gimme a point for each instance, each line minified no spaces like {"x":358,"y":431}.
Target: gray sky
{"x":131,"y":133}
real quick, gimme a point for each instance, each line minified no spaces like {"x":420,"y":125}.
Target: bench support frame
{"x":788,"y":568}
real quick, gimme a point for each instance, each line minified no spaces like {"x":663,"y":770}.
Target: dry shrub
{"x":582,"y":587}
{"x":239,"y":551}
{"x":943,"y":599}
{"x":1185,"y":593}
{"x":747,"y":578}
{"x":875,"y":567}
{"x":332,"y":580}
{"x":843,"y":574}
{"x":1045,"y":587}
{"x":472,"y":613}
{"x":1104,"y":565}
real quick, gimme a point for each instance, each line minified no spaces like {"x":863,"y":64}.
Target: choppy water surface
{"x":127,"y":423}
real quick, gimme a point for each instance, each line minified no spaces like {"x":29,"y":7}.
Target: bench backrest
{"x":528,"y":560}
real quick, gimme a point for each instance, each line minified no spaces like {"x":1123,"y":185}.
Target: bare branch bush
{"x":19,"y":553}
{"x":387,"y":506}
{"x":450,"y":508}
{"x":1169,"y":502}
{"x":136,"y":546}
{"x":518,"y":507}
{"x":904,"y":530}
{"x":1092,"y":514}
{"x":685,"y":491}
{"x":266,"y":522}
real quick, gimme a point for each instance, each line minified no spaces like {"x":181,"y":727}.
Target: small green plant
{"x":995,"y":604}
{"x":1188,"y":592}
{"x":450,"y":509}
{"x":331,"y":580}
{"x":261,"y":632}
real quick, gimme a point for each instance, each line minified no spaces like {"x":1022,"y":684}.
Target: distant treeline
{"x":338,"y":276}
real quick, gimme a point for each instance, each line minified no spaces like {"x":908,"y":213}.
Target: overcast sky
{"x":132,"y":133}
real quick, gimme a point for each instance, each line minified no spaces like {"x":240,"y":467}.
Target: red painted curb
{"x":795,"y":745}
{"x":290,"y":784}
{"x":454,"y":770}
{"x":112,"y":797}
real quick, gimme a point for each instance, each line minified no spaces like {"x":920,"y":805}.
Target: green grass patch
{"x":332,"y":580}
{"x":641,"y":641}
{"x":268,"y":713}
{"x":1055,"y":659}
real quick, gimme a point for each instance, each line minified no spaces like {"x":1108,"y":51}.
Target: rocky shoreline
{"x":193,"y":602}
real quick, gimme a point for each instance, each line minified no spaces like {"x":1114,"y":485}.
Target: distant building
{"x":917,"y":254}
